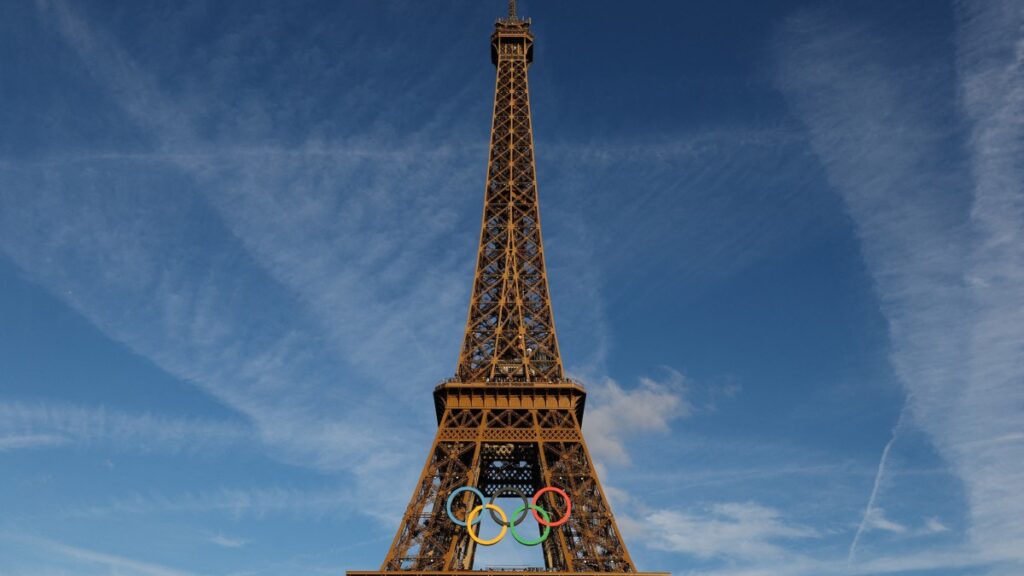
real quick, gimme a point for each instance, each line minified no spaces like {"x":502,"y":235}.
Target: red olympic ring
{"x":560,"y":492}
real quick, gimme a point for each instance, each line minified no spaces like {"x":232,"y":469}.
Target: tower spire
{"x":510,"y":331}
{"x":512,"y":9}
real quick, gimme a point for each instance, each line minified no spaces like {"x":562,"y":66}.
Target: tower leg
{"x":426,"y":537}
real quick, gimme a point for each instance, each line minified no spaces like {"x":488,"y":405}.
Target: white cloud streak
{"x":354,"y":229}
{"x":11,"y":442}
{"x":119,"y":564}
{"x":236,"y":502}
{"x":744,"y":531}
{"x":942,"y":242}
{"x":873,"y":516}
{"x":50,"y":425}
{"x":988,"y":446}
{"x":130,"y":246}
{"x":84,"y":560}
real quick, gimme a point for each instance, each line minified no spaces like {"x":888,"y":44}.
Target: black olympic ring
{"x":517,"y":492}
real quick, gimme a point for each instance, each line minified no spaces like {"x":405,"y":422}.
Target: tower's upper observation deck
{"x":512,"y":31}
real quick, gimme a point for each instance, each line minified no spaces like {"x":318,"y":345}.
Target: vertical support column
{"x":462,"y":549}
{"x":556,"y":554}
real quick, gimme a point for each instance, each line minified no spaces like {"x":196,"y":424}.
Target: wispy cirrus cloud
{"x":722,"y":197}
{"x":255,"y":502}
{"x":58,"y":558}
{"x":734,"y":530}
{"x":356,"y":227}
{"x":751,"y":539}
{"x":36,"y":425}
{"x":989,"y":439}
{"x":139,"y":271}
{"x":152,"y":266}
{"x":16,"y":441}
{"x":941,"y":238}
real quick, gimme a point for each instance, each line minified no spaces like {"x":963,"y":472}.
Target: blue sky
{"x":784,"y":240}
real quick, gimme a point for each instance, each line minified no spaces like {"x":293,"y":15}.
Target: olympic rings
{"x":539,"y":513}
{"x":517,"y":492}
{"x":568,"y":506}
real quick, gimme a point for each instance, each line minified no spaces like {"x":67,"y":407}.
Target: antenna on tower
{"x":512,"y":10}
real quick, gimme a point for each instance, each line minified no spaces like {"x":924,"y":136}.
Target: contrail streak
{"x":874,"y":489}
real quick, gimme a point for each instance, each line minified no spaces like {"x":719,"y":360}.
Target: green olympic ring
{"x":547,"y":529}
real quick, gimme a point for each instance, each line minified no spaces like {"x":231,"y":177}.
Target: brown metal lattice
{"x":510,"y":331}
{"x":509,"y":418}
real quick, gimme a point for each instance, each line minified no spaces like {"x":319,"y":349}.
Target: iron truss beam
{"x":509,"y":418}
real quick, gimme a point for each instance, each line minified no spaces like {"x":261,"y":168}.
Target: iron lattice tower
{"x":509,"y":418}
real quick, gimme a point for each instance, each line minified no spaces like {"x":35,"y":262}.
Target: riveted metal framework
{"x":509,"y":418}
{"x":510,"y":332}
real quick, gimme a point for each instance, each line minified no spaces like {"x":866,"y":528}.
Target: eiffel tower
{"x":510,"y":418}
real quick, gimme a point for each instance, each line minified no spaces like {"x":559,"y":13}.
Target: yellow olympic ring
{"x":476,"y":511}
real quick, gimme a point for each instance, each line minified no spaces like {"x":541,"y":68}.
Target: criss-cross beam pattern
{"x":491,"y":445}
{"x":494,"y":435}
{"x":510,"y":332}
